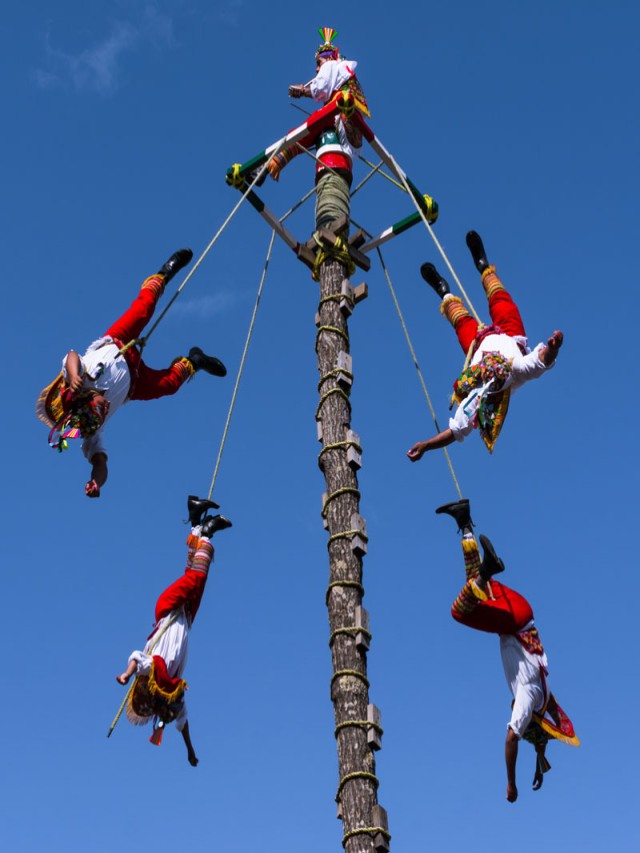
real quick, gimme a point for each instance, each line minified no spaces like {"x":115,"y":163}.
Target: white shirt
{"x":104,"y":370}
{"x":332,"y":74}
{"x":522,"y":671}
{"x":523,"y":369}
{"x":172,"y":647}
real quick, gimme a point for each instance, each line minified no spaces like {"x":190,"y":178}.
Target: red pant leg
{"x":186,"y":591}
{"x":136,"y":317}
{"x":508,"y":613}
{"x":504,"y":313}
{"x":465,"y":326}
{"x":466,"y":330}
{"x":151,"y":384}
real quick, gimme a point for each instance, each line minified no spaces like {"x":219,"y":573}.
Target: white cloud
{"x":205,"y":307}
{"x":97,"y":68}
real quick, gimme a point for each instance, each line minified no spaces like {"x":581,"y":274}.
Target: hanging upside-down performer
{"x":158,"y":691}
{"x":334,"y":146}
{"x":500,"y":358}
{"x":486,"y":605}
{"x":93,"y":386}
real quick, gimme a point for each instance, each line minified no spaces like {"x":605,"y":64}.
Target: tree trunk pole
{"x":349,"y":686}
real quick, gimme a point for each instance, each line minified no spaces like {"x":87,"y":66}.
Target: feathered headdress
{"x":327,"y":48}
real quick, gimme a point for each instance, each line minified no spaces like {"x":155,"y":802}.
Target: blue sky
{"x":122,"y":118}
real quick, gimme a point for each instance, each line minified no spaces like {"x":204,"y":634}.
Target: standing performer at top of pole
{"x":335,"y":76}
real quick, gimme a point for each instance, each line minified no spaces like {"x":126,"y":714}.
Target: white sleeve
{"x":143,"y":662}
{"x":528,"y":698}
{"x":321,"y":85}
{"x":330,"y":77}
{"x":93,"y":444}
{"x":464,"y":420}
{"x":529,"y":366}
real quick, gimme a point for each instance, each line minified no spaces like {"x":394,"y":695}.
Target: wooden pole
{"x":339,"y":460}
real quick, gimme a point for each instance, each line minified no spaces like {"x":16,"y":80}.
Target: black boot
{"x":208,"y":363}
{"x":476,"y":247}
{"x":213,"y":523}
{"x":459,"y":510}
{"x":491,"y":563}
{"x":433,"y":278}
{"x":197,"y":508}
{"x":176,"y":262}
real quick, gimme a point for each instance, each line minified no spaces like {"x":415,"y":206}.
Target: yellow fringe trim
{"x":155,"y":689}
{"x":553,"y":732}
{"x":49,"y":402}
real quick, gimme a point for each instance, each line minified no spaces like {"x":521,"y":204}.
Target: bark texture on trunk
{"x":349,"y":685}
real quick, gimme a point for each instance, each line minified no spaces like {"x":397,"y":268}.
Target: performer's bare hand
{"x":193,"y":761}
{"x":417,"y":451}
{"x":296,"y":91}
{"x":92,"y":489}
{"x":538,"y":779}
{"x":512,"y":792}
{"x":550,"y":351}
{"x":75,"y":383}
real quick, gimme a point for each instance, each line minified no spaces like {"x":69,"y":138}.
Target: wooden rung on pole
{"x":359,"y":543}
{"x":360,"y":292}
{"x":306,"y":255}
{"x":317,"y":320}
{"x":379,"y":818}
{"x":325,"y":521}
{"x":339,"y":814}
{"x":358,"y":239}
{"x":319,"y":429}
{"x":362,"y":621}
{"x":374,"y":738}
{"x":346,"y":303}
{"x":345,"y":365}
{"x":354,"y":456}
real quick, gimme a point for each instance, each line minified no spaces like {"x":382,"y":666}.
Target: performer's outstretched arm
{"x":511,"y":757}
{"x":191,"y":755}
{"x":73,"y":366}
{"x":442,"y":439}
{"x":99,"y":474}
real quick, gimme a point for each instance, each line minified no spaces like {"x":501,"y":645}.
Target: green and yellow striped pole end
{"x":234,"y":177}
{"x":431,"y":208}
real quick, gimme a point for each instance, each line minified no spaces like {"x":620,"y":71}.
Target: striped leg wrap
{"x":155,"y":283}
{"x":471,"y":554}
{"x":184,"y":367}
{"x":192,"y":545}
{"x":470,"y":594}
{"x":491,"y":282}
{"x":466,"y":600}
{"x":202,"y":557}
{"x":280,"y":160}
{"x":453,"y":309}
